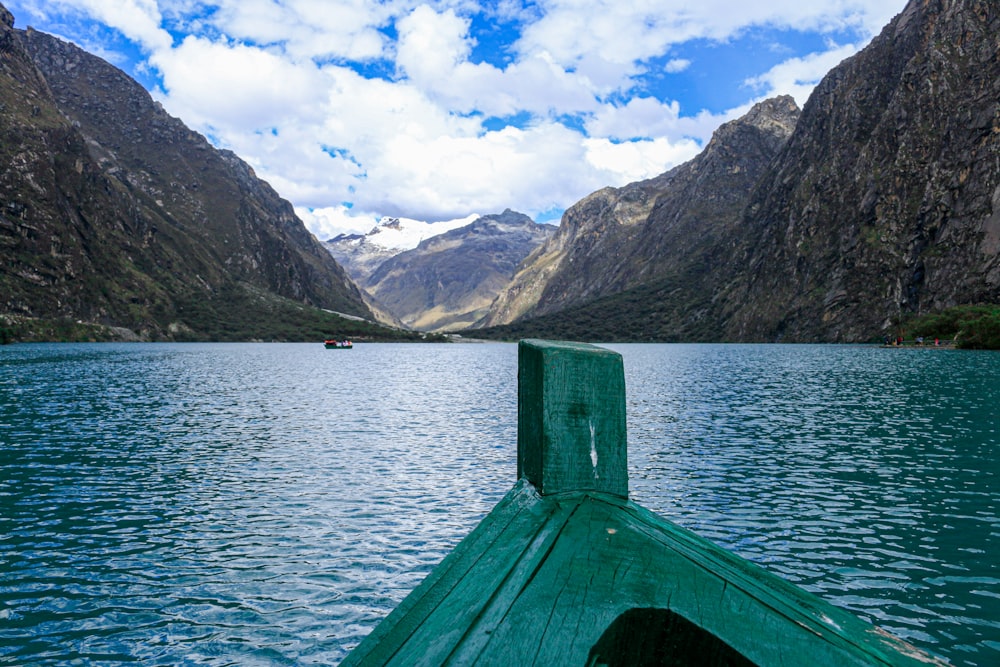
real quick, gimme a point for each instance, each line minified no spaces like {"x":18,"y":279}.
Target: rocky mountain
{"x":362,"y":254}
{"x":113,"y":212}
{"x":664,"y":230}
{"x":884,"y":202}
{"x":448,"y":281}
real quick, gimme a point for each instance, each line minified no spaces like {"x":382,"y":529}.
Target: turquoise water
{"x":267,"y":504}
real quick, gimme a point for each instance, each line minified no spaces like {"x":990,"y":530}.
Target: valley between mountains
{"x":872,"y":211}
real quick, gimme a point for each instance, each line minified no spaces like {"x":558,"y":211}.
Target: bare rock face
{"x":882,"y":203}
{"x":617,"y":239}
{"x":114,"y":212}
{"x":449,"y":281}
{"x":886,"y":201}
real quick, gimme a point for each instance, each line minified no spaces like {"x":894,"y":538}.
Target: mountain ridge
{"x":115,"y":213}
{"x":881,"y":205}
{"x":896,"y":206}
{"x":361,"y":254}
{"x":448,"y":280}
{"x":617,"y":239}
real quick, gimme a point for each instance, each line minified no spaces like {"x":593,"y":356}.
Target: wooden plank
{"x":556,"y":573}
{"x":610,"y":560}
{"x":571,"y":418}
{"x":829,"y":630}
{"x":443,"y":611}
{"x":477,"y":645}
{"x":397,"y":629}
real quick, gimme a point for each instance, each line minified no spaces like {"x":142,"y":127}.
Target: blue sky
{"x":356,"y":109}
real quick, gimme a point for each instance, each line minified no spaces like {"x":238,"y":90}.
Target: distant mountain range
{"x":880,"y":202}
{"x":361,"y":254}
{"x":877,"y":202}
{"x":441,"y":276}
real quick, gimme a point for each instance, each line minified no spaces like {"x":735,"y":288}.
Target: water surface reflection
{"x":268,"y":504}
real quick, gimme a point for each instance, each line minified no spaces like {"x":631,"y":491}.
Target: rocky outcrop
{"x":448,"y":281}
{"x":114,"y":212}
{"x":359,"y":256}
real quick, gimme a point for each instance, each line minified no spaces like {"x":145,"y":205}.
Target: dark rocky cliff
{"x":114,"y":212}
{"x":883,"y":203}
{"x":448,"y":281}
{"x":886,"y":200}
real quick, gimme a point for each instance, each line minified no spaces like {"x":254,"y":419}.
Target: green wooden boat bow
{"x":567,"y":571}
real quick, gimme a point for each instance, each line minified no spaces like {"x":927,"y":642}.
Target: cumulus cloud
{"x":355,"y":109}
{"x":139,"y":20}
{"x":677,"y":65}
{"x":608,"y":40}
{"x":235,"y":86}
{"x":637,"y":160}
{"x":798,"y":76}
{"x":329,"y":221}
{"x":305,"y":29}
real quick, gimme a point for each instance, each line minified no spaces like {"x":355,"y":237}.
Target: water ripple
{"x":269,"y":504}
{"x":860,"y":475}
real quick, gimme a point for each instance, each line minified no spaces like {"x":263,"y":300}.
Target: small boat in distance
{"x":331,"y":344}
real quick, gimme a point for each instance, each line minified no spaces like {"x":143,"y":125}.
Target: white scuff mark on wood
{"x":593,"y":447}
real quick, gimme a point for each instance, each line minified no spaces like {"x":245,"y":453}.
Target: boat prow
{"x":566,"y":570}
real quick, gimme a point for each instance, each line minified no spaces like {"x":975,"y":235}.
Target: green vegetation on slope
{"x":648,"y":313}
{"x":645,"y":314}
{"x":235,"y":313}
{"x":974,"y":327}
{"x":240,"y":312}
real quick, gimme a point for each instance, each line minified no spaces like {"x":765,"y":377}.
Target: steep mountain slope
{"x":448,"y":281}
{"x":114,"y":212}
{"x":883,"y":203}
{"x":664,"y":230}
{"x":886,"y":201}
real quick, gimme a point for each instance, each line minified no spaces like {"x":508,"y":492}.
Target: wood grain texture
{"x":571,"y":433}
{"x":542,"y":578}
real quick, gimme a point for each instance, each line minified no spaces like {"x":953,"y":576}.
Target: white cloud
{"x":237,"y":87}
{"x":798,"y":76}
{"x":447,"y":175}
{"x":604,"y":39}
{"x":431,"y":44}
{"x":433,"y":53}
{"x":330,"y":221}
{"x":677,"y":65}
{"x":139,"y":20}
{"x":637,"y":160}
{"x":640,"y":117}
{"x":345,"y":29}
{"x":289,"y":86}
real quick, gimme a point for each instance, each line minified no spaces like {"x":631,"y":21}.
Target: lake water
{"x":268,"y":504}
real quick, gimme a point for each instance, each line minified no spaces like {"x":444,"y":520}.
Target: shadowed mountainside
{"x":114,"y":213}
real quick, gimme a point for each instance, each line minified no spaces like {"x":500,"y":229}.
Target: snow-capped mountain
{"x":361,"y":254}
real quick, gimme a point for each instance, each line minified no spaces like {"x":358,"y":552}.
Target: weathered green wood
{"x":568,"y":576}
{"x":571,"y":418}
{"x":398,"y":628}
{"x":563,"y":568}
